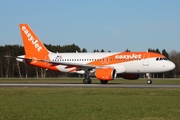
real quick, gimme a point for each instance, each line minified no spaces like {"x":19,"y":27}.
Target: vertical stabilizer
{"x":32,"y":44}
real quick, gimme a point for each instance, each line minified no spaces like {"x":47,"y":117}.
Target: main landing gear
{"x":87,"y":79}
{"x":149,"y":81}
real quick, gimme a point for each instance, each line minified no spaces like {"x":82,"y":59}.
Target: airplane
{"x":105,"y":66}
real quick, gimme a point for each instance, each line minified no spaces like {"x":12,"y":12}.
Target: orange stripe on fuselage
{"x":124,"y":57}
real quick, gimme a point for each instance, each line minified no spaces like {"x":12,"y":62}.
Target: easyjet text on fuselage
{"x":132,"y":56}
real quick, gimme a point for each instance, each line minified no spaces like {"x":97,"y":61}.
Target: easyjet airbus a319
{"x":105,"y":66}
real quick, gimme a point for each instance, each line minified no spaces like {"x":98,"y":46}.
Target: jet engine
{"x":130,"y":76}
{"x":105,"y":73}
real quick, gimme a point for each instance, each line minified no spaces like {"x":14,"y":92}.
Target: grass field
{"x":89,"y":103}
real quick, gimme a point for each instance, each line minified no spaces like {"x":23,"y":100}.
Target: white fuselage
{"x":122,"y":65}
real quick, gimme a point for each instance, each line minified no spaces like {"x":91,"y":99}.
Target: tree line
{"x":10,"y":68}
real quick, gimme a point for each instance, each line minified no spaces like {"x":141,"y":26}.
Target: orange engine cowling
{"x":105,"y":73}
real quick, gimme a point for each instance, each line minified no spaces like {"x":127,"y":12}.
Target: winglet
{"x":32,"y":44}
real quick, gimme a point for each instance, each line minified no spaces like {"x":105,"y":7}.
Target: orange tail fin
{"x":32,"y":45}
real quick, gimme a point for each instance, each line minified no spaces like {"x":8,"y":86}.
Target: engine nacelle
{"x":105,"y":73}
{"x":130,"y":76}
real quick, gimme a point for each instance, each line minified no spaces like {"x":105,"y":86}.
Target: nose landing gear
{"x":149,"y":81}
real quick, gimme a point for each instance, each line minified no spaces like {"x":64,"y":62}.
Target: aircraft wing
{"x":70,"y":64}
{"x":55,"y":63}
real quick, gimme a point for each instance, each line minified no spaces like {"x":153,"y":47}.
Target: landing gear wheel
{"x":103,"y":81}
{"x":149,"y":81}
{"x":87,"y":81}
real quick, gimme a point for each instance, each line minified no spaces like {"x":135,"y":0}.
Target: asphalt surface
{"x":89,"y":85}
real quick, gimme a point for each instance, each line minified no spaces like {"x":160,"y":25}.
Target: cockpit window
{"x":160,"y":59}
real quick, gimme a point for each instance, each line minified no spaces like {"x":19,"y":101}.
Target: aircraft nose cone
{"x":171,"y":65}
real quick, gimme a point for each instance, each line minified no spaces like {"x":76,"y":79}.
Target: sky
{"x":112,"y":25}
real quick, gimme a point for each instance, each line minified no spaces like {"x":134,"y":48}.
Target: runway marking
{"x":89,"y":85}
